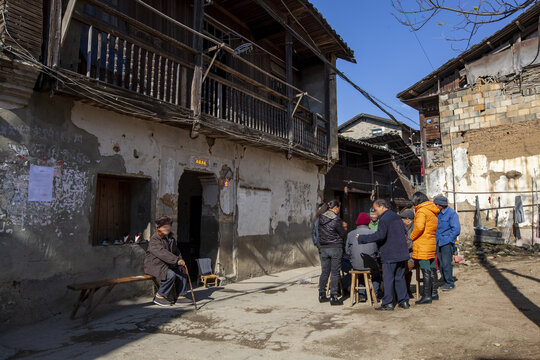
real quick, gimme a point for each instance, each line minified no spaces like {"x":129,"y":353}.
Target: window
{"x":376,"y":132}
{"x":122,"y":209}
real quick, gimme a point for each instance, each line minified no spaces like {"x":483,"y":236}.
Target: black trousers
{"x":394,"y":278}
{"x":174,"y":279}
{"x":330,"y":264}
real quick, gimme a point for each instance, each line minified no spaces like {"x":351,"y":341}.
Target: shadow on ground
{"x":518,"y":299}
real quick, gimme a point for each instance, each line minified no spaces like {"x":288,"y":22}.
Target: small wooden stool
{"x":368,"y":286}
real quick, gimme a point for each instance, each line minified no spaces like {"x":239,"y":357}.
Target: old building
{"x":479,"y":116}
{"x":367,"y":125}
{"x":115,"y":112}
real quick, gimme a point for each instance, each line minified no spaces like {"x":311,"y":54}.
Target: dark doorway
{"x":197,"y":222}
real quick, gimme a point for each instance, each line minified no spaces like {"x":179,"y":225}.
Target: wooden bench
{"x":88,"y":290}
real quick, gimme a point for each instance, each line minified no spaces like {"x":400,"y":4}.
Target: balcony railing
{"x":137,"y":58}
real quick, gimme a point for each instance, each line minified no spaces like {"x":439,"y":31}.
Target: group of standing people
{"x":395,"y":243}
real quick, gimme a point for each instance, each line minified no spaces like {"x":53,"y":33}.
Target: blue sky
{"x":389,"y":58}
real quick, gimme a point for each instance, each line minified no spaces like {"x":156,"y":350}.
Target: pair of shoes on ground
{"x":334,"y":299}
{"x":162,"y":301}
{"x":447,"y":287}
{"x":390,"y":307}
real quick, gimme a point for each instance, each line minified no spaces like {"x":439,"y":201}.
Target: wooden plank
{"x":103,"y":283}
{"x":66,"y":20}
{"x":54,"y":27}
{"x":89,"y":52}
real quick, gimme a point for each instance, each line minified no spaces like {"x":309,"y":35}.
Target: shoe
{"x":434,"y":285}
{"x":323,"y":298}
{"x":161,"y":301}
{"x":404,"y":304}
{"x":426,"y":296}
{"x":447,"y":287}
{"x":387,"y":307}
{"x":335,"y":300}
{"x":362,"y":298}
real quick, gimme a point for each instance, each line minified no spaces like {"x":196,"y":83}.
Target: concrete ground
{"x":494,"y":312}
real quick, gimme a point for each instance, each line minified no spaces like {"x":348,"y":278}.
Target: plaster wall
{"x":494,"y":129}
{"x":48,"y":244}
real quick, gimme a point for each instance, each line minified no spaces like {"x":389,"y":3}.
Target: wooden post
{"x":196,"y":84}
{"x":289,"y":90}
{"x":371,"y":171}
{"x":332,"y":119}
{"x":55,"y":30}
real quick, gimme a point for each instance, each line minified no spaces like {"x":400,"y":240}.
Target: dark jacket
{"x":162,"y":254}
{"x":391,"y":236}
{"x":359,"y":253}
{"x":315,"y":234}
{"x":331,"y":231}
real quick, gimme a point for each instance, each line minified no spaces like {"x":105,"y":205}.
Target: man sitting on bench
{"x":164,"y":261}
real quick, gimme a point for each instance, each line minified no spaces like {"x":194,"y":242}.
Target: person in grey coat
{"x":363,"y":256}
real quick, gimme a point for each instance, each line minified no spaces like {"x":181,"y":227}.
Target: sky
{"x":389,"y":58}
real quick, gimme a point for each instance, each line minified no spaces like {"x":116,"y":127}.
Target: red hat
{"x":363,"y":219}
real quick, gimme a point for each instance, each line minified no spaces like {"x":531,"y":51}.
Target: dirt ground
{"x":494,"y":313}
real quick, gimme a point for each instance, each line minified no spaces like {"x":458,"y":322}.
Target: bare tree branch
{"x":415,"y":14}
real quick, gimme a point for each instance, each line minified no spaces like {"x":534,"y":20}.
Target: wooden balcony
{"x":151,"y":72}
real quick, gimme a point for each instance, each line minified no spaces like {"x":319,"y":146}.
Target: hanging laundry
{"x":519,"y":215}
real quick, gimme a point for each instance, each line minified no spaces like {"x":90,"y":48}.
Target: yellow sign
{"x":201,"y":162}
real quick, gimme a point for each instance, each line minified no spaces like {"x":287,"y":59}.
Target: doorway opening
{"x":198,"y":225}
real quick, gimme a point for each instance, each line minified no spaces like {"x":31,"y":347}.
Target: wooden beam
{"x":196,"y":84}
{"x":66,"y":20}
{"x":289,"y":79}
{"x":55,"y":26}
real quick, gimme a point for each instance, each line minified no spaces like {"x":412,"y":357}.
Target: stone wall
{"x":493,"y":129}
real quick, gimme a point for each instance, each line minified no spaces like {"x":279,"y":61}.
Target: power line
{"x":421,"y":46}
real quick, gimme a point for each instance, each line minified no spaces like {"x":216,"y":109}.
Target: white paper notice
{"x":40,"y":183}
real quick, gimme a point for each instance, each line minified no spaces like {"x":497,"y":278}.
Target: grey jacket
{"x":357,"y":252}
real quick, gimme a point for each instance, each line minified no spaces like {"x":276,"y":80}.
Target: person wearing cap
{"x":363,"y":256}
{"x":164,"y":262}
{"x":446,"y":236}
{"x":374,"y":223}
{"x":392,"y":241}
{"x":407,"y":216}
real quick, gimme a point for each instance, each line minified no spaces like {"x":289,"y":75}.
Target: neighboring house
{"x":409,"y":156}
{"x":112,"y":114}
{"x":364,"y":172}
{"x":366,"y":125}
{"x":480,"y":125}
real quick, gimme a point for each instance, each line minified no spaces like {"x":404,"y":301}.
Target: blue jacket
{"x":391,"y":237}
{"x":448,"y":228}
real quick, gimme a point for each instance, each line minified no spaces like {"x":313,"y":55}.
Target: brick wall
{"x":486,"y":105}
